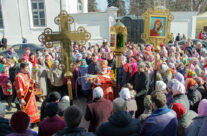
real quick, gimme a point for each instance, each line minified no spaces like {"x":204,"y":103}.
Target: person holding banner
{"x":25,"y":93}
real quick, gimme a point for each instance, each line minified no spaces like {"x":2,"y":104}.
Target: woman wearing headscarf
{"x":179,"y":95}
{"x":126,"y":74}
{"x":128,"y":96}
{"x":133,"y":69}
{"x":194,"y":96}
{"x":82,"y":79}
{"x":194,"y":128}
{"x":185,"y":118}
{"x":201,"y":87}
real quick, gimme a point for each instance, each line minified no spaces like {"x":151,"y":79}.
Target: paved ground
{"x":80,"y":102}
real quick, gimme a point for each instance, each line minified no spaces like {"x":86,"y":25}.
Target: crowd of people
{"x":175,"y":105}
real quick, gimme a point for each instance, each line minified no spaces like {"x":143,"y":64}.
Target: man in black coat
{"x":140,"y":82}
{"x":120,"y":122}
{"x":5,"y":129}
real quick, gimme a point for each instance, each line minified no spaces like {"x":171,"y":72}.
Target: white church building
{"x":29,"y":18}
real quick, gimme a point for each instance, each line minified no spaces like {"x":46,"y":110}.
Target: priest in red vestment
{"x":104,"y":81}
{"x":25,"y":93}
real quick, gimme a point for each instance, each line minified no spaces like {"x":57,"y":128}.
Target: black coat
{"x":140,"y":82}
{"x":194,"y":97}
{"x":93,"y":68}
{"x":120,"y":124}
{"x":5,"y":129}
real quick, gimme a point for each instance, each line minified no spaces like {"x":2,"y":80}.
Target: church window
{"x":1,"y":17}
{"x":80,"y":6}
{"x":38,"y":12}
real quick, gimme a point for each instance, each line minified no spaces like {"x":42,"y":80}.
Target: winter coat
{"x":41,"y":79}
{"x":93,"y":68}
{"x":83,"y":71}
{"x":203,"y":92}
{"x":74,"y":132}
{"x":194,"y":128}
{"x":96,"y":114}
{"x":162,"y":122}
{"x":120,"y":124}
{"x":194,"y":97}
{"x":26,"y":133}
{"x":203,"y":129}
{"x":182,"y":99}
{"x":131,"y":106}
{"x":140,"y":82}
{"x":5,"y":128}
{"x":50,"y":126}
{"x":185,"y":121}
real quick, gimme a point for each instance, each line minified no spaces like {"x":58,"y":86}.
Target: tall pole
{"x":60,"y":5}
{"x":20,"y":20}
{"x":155,"y":63}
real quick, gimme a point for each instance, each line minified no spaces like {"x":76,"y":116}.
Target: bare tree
{"x":92,"y":6}
{"x":120,"y":4}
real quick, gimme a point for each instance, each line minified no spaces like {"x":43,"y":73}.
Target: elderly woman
{"x":41,"y":77}
{"x":82,"y":79}
{"x":147,"y":109}
{"x":179,"y":95}
{"x":98,"y":111}
{"x":184,"y":117}
{"x":194,"y":96}
{"x":130,"y":101}
{"x":194,"y":128}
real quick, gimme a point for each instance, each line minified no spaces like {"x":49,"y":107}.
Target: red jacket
{"x":200,"y":36}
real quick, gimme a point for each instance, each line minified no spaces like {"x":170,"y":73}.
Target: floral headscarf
{"x":85,"y":63}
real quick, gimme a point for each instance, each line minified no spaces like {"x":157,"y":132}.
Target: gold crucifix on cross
{"x":65,"y":36}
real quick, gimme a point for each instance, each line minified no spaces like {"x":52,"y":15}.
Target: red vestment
{"x":105,"y":82}
{"x":24,"y":91}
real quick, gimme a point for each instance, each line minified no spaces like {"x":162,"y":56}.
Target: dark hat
{"x":51,"y":109}
{"x":19,"y":122}
{"x":54,"y":96}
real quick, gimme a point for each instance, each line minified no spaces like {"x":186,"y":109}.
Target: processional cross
{"x":65,"y":36}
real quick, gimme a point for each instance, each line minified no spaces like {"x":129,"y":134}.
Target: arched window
{"x":80,"y":6}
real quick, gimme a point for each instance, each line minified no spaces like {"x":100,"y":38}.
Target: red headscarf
{"x":179,"y":109}
{"x":126,"y":67}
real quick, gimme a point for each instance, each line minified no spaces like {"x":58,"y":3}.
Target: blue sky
{"x":102,"y":4}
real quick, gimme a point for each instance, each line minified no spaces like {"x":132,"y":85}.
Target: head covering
{"x":179,"y":109}
{"x":54,"y":96}
{"x":134,"y":69}
{"x":85,"y":63}
{"x":198,"y":70}
{"x":125,"y":93}
{"x":190,"y":82}
{"x":56,"y":62}
{"x":66,"y":98}
{"x":172,"y":82}
{"x":178,"y":88}
{"x":104,"y":64}
{"x":19,"y":122}
{"x":98,"y":92}
{"x":202,"y":108}
{"x":160,"y":86}
{"x":2,"y":108}
{"x":127,"y":67}
{"x":180,"y":78}
{"x":142,"y":64}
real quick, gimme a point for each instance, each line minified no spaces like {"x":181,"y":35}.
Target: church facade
{"x":28,"y":18}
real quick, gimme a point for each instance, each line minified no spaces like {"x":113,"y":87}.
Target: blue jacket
{"x":120,"y":124}
{"x":162,"y":122}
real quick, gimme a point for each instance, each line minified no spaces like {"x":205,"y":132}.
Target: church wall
{"x":184,"y":23}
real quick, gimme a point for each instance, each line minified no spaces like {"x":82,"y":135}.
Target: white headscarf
{"x":125,"y":94}
{"x":160,"y":86}
{"x":98,"y":92}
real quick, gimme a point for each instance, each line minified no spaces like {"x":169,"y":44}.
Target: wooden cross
{"x":65,"y":36}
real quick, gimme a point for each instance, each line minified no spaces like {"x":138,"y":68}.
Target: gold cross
{"x":65,"y":36}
